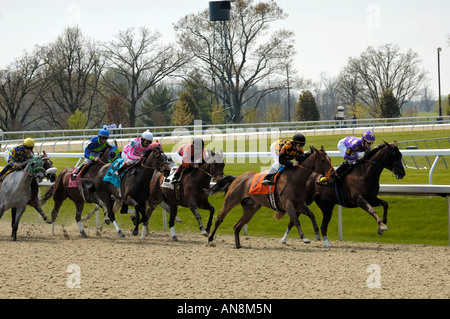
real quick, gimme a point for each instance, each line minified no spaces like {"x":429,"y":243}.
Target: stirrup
{"x":266,"y":182}
{"x":323,"y":181}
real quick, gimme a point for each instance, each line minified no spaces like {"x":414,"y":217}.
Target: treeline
{"x":247,"y":76}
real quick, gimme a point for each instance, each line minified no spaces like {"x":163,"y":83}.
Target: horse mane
{"x":374,"y":151}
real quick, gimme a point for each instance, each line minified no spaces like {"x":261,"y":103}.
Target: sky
{"x":327,"y":32}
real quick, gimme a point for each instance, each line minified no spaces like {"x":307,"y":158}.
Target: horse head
{"x":393,"y":160}
{"x":50,"y":171}
{"x":322,"y":163}
{"x":215,"y":164}
{"x":156,"y":158}
{"x":35,"y":168}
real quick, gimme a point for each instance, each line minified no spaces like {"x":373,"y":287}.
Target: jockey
{"x":95,"y":147}
{"x":283,"y":152}
{"x":349,"y":147}
{"x":133,"y":151}
{"x":189,"y":155}
{"x":19,"y":154}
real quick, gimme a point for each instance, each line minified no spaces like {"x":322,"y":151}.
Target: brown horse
{"x":134,"y":188}
{"x":289,"y":193}
{"x":359,"y":188}
{"x":84,"y":193}
{"x":193,"y":192}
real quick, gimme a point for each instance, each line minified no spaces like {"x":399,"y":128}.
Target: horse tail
{"x":47,"y":195}
{"x":222,"y":185}
{"x":279,"y":215}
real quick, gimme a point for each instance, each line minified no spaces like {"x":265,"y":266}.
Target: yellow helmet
{"x":28,"y":142}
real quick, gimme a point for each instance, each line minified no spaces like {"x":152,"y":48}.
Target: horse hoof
{"x":327,"y":244}
{"x":107,"y":221}
{"x":174,"y":238}
{"x":382,"y":229}
{"x":121,"y":234}
{"x":134,"y":232}
{"x":204,"y":233}
{"x":83,"y":234}
{"x":317,"y":237}
{"x":306,"y":240}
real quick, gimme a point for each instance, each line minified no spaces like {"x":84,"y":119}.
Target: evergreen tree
{"x":389,"y":105}
{"x":185,"y":110}
{"x":307,"y":108}
{"x":155,"y":107}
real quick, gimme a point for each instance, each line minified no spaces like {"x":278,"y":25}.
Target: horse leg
{"x":286,"y":234}
{"x":194,"y":209}
{"x":207,"y":205}
{"x":311,"y":216}
{"x":36,"y":205}
{"x":140,"y":212}
{"x":57,"y":205}
{"x":250,"y":207}
{"x":379,"y":202}
{"x":230,"y":201}
{"x":327,"y":211}
{"x":173,"y":210}
{"x":79,"y":210}
{"x":366,"y":206}
{"x":16,"y":215}
{"x":291,"y":211}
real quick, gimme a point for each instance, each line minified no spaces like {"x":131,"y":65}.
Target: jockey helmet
{"x":103,"y":133}
{"x":147,"y":136}
{"x":299,"y":139}
{"x":369,"y":136}
{"x":197,"y":142}
{"x":28,"y":142}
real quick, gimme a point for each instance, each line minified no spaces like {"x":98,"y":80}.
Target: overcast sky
{"x":328,"y":32}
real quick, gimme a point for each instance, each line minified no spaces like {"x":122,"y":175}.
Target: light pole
{"x":439,"y":83}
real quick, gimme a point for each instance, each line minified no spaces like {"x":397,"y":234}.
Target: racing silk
{"x":189,"y":158}
{"x":134,"y":150}
{"x":17,"y":155}
{"x":355,"y":144}
{"x":94,"y":148}
{"x":286,"y":152}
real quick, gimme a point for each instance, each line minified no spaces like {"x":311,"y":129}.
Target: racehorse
{"x":193,"y":192}
{"x":83,"y":193}
{"x":359,"y":188}
{"x":134,"y":187}
{"x":289,"y":193}
{"x":16,"y":191}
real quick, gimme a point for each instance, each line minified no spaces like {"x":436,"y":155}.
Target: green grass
{"x":411,"y":219}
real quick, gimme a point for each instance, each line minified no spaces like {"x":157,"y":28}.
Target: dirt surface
{"x":39,"y":265}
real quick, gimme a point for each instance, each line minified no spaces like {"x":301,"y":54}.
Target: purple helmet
{"x":369,"y":136}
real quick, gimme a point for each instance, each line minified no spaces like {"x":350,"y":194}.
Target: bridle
{"x":326,"y":173}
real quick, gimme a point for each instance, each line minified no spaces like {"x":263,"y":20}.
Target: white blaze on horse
{"x":16,"y":191}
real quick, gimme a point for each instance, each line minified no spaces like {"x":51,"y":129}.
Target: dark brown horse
{"x":359,"y":188}
{"x":134,"y":188}
{"x":289,"y":193}
{"x":84,"y":193}
{"x":193,"y":192}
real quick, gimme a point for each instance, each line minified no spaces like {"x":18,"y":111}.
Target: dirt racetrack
{"x":39,"y":265}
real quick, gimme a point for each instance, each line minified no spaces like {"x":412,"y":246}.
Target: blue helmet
{"x":103,"y":133}
{"x":369,"y":136}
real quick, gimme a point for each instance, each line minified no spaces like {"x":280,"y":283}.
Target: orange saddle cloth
{"x":256,"y":186}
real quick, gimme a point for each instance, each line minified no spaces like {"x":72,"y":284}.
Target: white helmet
{"x":147,"y":135}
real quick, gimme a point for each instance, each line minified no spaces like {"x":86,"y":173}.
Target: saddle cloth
{"x":110,"y":176}
{"x":74,"y":183}
{"x":167,"y":181}
{"x":256,"y":186}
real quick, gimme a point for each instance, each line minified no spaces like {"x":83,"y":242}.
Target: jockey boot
{"x":4,"y":170}
{"x":342,"y":170}
{"x":124,"y":166}
{"x":268,"y":180}
{"x":75,"y":174}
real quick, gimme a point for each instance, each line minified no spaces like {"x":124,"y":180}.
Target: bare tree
{"x":137,"y":60}
{"x":375,"y":70}
{"x":20,"y":84}
{"x":73,"y":67}
{"x":253,"y":57}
